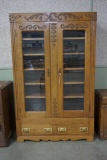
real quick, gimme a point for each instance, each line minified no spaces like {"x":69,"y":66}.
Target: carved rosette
{"x":54,"y":108}
{"x":74,"y":26}
{"x":32,"y":27}
{"x":53,"y":34}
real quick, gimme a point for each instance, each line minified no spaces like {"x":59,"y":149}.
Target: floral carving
{"x":34,"y":27}
{"x":54,"y":109}
{"x":53,"y":34}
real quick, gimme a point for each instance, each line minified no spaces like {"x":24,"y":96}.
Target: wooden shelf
{"x":33,"y":50}
{"x":35,"y":96}
{"x":30,"y":39}
{"x":74,"y":82}
{"x":31,"y":69}
{"x":34,"y":83}
{"x":75,"y":95}
{"x":73,"y":38}
{"x":79,"y":68}
{"x":36,"y":54}
{"x":73,"y":53}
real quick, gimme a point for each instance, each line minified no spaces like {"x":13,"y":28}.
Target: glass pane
{"x":35,"y":104}
{"x":35,"y":91}
{"x":74,"y":60}
{"x":74,"y":104}
{"x":73,"y":90}
{"x":33,"y":42}
{"x":76,"y":45}
{"x":34,"y":70}
{"x":73,"y":76}
{"x":73,"y":33}
{"x":73,"y":64}
{"x":33,"y":62}
{"x":34,"y":76}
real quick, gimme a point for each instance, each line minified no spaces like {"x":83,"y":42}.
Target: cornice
{"x":33,"y":17}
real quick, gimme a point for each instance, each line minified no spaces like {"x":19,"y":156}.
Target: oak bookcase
{"x":54,"y":65}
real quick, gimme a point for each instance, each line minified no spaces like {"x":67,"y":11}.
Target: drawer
{"x":104,"y":101}
{"x":72,"y":129}
{"x":38,"y":129}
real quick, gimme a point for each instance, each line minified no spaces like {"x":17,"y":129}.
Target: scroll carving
{"x":92,"y":16}
{"x":74,"y":26}
{"x":54,"y":111}
{"x":12,"y":18}
{"x":53,"y":16}
{"x":32,"y":27}
{"x":40,"y":16}
{"x":70,"y":16}
{"x":53,"y":34}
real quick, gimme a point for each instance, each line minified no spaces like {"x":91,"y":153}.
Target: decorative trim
{"x":53,"y":34}
{"x":53,"y":16}
{"x":92,"y":16}
{"x":55,"y":137}
{"x":40,"y":16}
{"x":54,"y":108}
{"x":74,"y":26}
{"x":13,"y":17}
{"x":64,"y":16}
{"x":30,"y":27}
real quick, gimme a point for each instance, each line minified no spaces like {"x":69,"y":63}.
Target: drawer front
{"x":72,"y":129}
{"x":104,"y":101}
{"x":38,"y":129}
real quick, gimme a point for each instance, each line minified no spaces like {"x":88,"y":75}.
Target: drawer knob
{"x":25,"y":130}
{"x":83,"y":129}
{"x":60,"y":129}
{"x":48,"y":129}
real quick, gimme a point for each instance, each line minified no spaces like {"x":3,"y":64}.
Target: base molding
{"x":56,"y":138}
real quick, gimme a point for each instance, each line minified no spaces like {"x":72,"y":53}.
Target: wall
{"x":12,"y":6}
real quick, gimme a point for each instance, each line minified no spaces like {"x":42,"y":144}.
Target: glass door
{"x":73,"y":69}
{"x":35,"y":56}
{"x":74,"y":85}
{"x":34,"y":70}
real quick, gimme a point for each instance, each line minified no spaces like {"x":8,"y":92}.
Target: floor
{"x":62,"y":150}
